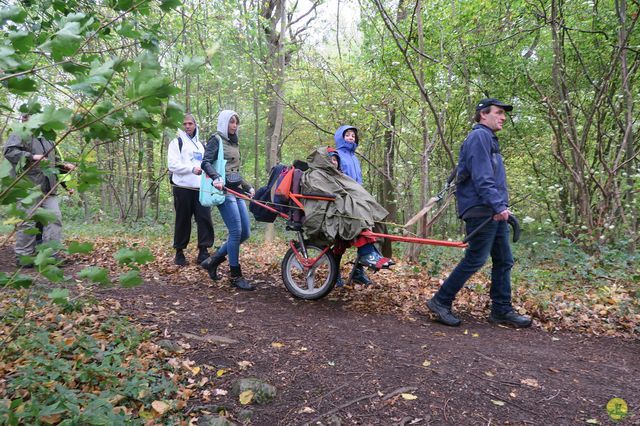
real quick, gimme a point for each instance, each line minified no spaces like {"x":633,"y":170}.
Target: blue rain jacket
{"x":349,"y":163}
{"x":482,"y":180}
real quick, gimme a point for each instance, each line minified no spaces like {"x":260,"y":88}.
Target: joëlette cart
{"x":309,"y":271}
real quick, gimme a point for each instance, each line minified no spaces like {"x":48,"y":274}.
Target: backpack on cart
{"x":263,"y":194}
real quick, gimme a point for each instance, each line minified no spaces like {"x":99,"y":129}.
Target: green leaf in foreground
{"x":12,"y":13}
{"x":59,"y":295}
{"x":130,"y":279}
{"x":52,"y":273}
{"x":17,"y":281}
{"x":78,"y":247}
{"x":167,"y":5}
{"x":128,"y":256}
{"x":96,"y":275}
{"x":44,"y":216}
{"x":191,"y":65}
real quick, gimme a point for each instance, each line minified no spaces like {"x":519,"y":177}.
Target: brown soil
{"x":333,"y":364}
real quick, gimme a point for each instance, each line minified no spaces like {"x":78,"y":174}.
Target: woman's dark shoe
{"x":238,"y":281}
{"x":360,"y":276}
{"x":211,"y":265}
{"x":375,"y":261}
{"x":203,"y":254}
{"x":339,"y":281}
{"x":180,"y":260}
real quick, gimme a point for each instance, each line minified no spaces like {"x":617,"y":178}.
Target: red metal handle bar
{"x":367,"y":233}
{"x":416,"y":240}
{"x":245,"y":197}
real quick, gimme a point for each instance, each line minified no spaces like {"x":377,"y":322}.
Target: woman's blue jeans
{"x":235,"y":217}
{"x":492,"y":239}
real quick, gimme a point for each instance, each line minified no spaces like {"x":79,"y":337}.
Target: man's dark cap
{"x":492,"y":101}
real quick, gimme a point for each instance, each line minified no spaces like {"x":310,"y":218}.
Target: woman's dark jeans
{"x":492,"y":239}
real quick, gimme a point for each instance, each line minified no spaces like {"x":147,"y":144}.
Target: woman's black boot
{"x":238,"y":281}
{"x":211,"y":265}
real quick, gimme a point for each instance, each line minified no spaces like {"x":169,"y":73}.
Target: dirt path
{"x":334,"y":364}
{"x":346,"y":363}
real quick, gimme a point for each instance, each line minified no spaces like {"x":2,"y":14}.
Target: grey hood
{"x":223,"y":122}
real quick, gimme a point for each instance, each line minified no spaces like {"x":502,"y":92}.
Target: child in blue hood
{"x":346,"y":138}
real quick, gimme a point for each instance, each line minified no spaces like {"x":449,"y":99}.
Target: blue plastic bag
{"x":209,"y":194}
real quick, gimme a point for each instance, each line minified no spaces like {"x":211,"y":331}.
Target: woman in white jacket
{"x":184,"y":158}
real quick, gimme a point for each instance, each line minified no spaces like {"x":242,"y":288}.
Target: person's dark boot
{"x":238,"y":281}
{"x":180,"y":260}
{"x":339,"y":281}
{"x":211,"y":265}
{"x":511,"y":318}
{"x":360,"y":276}
{"x":443,"y":313}
{"x":203,"y":254}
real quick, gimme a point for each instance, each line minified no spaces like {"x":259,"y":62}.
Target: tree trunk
{"x":388,"y":188}
{"x":275,"y":64}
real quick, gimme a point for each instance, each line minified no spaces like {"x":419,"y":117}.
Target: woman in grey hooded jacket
{"x":233,"y":210}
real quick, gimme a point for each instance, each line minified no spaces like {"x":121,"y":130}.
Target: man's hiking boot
{"x":511,"y":318}
{"x":211,"y":265}
{"x":203,"y":254}
{"x":180,"y":260}
{"x":443,"y":313}
{"x":238,"y":281}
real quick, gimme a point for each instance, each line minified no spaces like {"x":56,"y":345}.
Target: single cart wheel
{"x":310,"y":283}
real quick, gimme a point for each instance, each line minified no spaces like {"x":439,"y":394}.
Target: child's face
{"x":334,"y":160}
{"x":350,"y":136}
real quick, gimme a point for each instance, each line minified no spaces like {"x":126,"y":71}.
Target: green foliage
{"x":56,"y":365}
{"x":127,"y":256}
{"x":130,"y":279}
{"x":74,"y":247}
{"x":59,"y":296}
{"x":15,"y":280}
{"x":79,"y":57}
{"x":96,"y":275}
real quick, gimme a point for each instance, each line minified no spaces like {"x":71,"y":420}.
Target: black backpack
{"x":263,"y":194}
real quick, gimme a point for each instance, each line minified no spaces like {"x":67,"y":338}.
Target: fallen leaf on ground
{"x":244,"y":364}
{"x":497,"y":402}
{"x":530,"y":382}
{"x":426,"y":363}
{"x":408,"y":396}
{"x":306,"y":410}
{"x":160,"y":407}
{"x":246,"y":397}
{"x":277,"y":345}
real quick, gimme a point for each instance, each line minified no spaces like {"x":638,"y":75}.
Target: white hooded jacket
{"x":182,"y":162}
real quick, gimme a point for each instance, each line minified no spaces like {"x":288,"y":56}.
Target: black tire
{"x":324,"y":273}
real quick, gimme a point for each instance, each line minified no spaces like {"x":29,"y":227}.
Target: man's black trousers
{"x":186,"y":204}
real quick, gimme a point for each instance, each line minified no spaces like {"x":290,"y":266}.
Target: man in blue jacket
{"x":481,"y":193}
